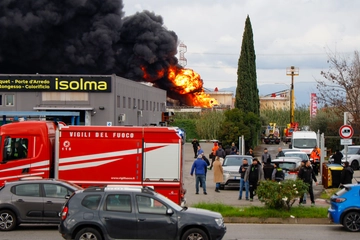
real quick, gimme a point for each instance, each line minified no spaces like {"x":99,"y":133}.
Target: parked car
{"x":33,"y":201}
{"x":290,"y":165}
{"x":353,"y":156}
{"x":345,"y":207}
{"x":134,"y":212}
{"x":299,"y":154}
{"x":231,"y":167}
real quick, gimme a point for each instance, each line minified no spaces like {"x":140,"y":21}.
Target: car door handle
{"x":141,"y":219}
{"x":49,"y":202}
{"x":20,"y":200}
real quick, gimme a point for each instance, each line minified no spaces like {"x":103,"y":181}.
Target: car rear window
{"x":91,"y":201}
{"x":287,"y":165}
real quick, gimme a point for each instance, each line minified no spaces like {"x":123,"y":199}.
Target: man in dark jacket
{"x":254,"y":174}
{"x":280,"y":153}
{"x":250,"y":152}
{"x":268,"y":170}
{"x":347,"y":174}
{"x":307,"y":174}
{"x":244,"y":183}
{"x":199,"y":167}
{"x":195,"y":144}
{"x":337,"y":157}
{"x":278,"y":173}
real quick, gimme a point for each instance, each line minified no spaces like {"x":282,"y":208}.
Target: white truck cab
{"x":305,"y":141}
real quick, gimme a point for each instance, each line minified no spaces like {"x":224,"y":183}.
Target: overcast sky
{"x":287,"y":33}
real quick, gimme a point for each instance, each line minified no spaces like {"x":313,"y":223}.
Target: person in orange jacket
{"x":315,"y":156}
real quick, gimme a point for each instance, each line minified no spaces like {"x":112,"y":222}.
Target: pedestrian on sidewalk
{"x":243,"y":183}
{"x":254,"y":174}
{"x":199,"y":166}
{"x":280,"y":153}
{"x":218,"y":173}
{"x":307,"y":174}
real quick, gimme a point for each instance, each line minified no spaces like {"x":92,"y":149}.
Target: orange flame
{"x":187,"y":83}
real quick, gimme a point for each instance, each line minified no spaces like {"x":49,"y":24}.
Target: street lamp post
{"x":292,"y":71}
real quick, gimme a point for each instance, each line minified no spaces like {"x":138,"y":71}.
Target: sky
{"x":300,"y":33}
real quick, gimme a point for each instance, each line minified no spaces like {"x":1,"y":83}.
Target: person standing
{"x":243,"y":183}
{"x":268,"y":169}
{"x":218,"y":173}
{"x":315,"y":156}
{"x":199,"y":151}
{"x":278,"y":173}
{"x":254,"y":174}
{"x":337,"y":157}
{"x":213,"y":151}
{"x":250,"y":152}
{"x":199,"y":166}
{"x":307,"y":174}
{"x":234,"y":149}
{"x":346,"y":174}
{"x":220,"y":152}
{"x":280,"y":153}
{"x":266,"y":157}
{"x":195,"y":144}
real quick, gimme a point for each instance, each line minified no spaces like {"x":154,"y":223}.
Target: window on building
{"x":124,"y":102}
{"x":129,"y":102}
{"x":134,"y":103}
{"x":147,"y":105}
{"x":142,"y":105}
{"x":154,"y":107}
{"x":9,"y":100}
{"x":118,"y":101}
{"x":157,"y":106}
{"x":138,"y":104}
{"x":150,"y":106}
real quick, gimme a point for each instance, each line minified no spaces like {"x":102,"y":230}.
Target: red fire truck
{"x":94,"y":155}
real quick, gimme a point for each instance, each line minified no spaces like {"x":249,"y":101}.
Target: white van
{"x":305,"y":141}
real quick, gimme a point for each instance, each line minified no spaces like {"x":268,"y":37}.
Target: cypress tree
{"x":247,"y":93}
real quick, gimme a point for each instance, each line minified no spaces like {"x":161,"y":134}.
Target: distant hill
{"x":302,"y":91}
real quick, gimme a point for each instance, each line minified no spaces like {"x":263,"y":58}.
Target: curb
{"x":277,"y":220}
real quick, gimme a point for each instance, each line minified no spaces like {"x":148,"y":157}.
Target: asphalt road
{"x":234,"y":232}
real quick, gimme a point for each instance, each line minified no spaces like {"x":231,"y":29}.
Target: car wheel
{"x":194,"y":234}
{"x":352,"y":221}
{"x":355,"y":165}
{"x":87,"y":234}
{"x":7,"y":220}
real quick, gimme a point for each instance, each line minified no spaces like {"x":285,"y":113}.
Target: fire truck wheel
{"x":7,"y":220}
{"x":88,"y":233}
{"x":194,"y":233}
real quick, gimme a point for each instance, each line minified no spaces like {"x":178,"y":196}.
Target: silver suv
{"x":33,"y":201}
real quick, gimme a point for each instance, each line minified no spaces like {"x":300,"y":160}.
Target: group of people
{"x":251,"y":175}
{"x":201,"y":164}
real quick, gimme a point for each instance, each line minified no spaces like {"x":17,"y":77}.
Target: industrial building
{"x":81,"y":99}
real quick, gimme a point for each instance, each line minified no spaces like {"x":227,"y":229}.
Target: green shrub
{"x":281,"y":195}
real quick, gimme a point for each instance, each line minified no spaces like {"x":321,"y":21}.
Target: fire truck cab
{"x":94,"y":155}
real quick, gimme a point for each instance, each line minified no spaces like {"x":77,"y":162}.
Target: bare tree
{"x":340,"y":87}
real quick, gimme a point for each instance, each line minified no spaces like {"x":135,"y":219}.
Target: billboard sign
{"x":43,"y":83}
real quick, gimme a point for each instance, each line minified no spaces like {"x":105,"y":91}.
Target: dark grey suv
{"x":33,"y":201}
{"x":123,"y":212}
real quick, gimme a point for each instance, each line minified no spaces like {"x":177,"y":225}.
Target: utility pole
{"x":292,"y":71}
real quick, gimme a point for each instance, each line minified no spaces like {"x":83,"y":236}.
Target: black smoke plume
{"x":85,"y":37}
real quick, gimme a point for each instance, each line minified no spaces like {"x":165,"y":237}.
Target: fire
{"x":185,"y":82}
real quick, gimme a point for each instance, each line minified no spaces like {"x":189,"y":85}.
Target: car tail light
{"x":338,"y":200}
{"x":64,"y":213}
